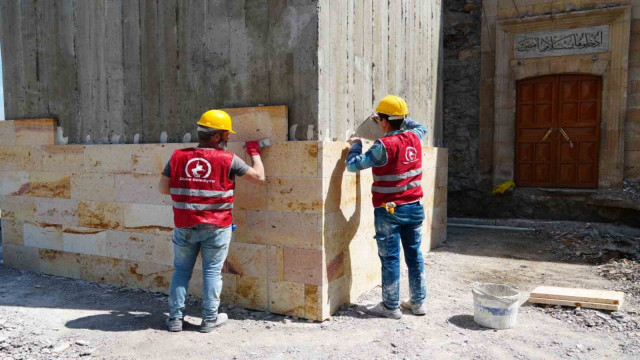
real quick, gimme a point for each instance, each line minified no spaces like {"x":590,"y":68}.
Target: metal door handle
{"x":546,"y":136}
{"x":566,"y":136}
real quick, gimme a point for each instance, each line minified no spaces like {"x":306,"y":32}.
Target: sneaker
{"x":382,"y":311}
{"x":208,"y":325}
{"x":174,"y":324}
{"x":416,"y":309}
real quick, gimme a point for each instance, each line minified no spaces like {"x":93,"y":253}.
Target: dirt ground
{"x":45,"y":317}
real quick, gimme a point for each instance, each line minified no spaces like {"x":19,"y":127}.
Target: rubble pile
{"x":596,"y":243}
{"x":625,"y":273}
{"x":617,"y":321}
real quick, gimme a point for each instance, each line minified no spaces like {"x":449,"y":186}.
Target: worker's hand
{"x":354,"y":139}
{"x":253,"y":148}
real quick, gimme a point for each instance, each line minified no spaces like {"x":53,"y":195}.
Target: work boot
{"x":382,"y":311}
{"x":208,"y":325}
{"x":416,"y":309}
{"x":174,"y":324}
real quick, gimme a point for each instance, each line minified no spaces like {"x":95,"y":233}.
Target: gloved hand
{"x":253,"y":148}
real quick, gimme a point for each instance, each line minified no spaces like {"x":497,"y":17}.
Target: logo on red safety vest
{"x":411,"y":154}
{"x":198,"y":168}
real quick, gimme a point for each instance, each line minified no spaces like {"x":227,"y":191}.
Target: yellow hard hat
{"x":394,"y":106}
{"x":216,"y":119}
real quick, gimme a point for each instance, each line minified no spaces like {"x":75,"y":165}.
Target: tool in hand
{"x":254,"y":147}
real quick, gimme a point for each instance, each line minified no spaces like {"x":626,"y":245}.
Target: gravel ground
{"x":46,"y":317}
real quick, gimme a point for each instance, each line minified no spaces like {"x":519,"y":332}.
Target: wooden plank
{"x":591,"y":305}
{"x":587,"y":295}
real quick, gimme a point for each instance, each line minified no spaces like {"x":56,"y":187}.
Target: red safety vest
{"x":399,"y":180}
{"x":200,"y":187}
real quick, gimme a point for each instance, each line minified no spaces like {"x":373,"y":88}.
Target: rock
{"x":61,"y":347}
{"x":87,"y":352}
{"x":82,"y":343}
{"x":287,"y":321}
{"x":394,"y":345}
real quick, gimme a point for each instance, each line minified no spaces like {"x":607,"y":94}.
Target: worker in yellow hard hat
{"x":201,"y":182}
{"x":396,"y":162}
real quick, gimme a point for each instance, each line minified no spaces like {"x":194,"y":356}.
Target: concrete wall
{"x":123,"y":67}
{"x":303,"y":244}
{"x":371,"y":48}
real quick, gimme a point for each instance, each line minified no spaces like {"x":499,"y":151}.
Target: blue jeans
{"x":403,"y":226}
{"x":187,"y":243}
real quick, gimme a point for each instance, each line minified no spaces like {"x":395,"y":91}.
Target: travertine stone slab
{"x":287,"y":298}
{"x":100,"y":215}
{"x":293,"y":159}
{"x":247,"y":260}
{"x":302,"y":195}
{"x":141,"y":189}
{"x":21,"y":257}
{"x":18,"y":207}
{"x":313,"y":302}
{"x":13,"y":182}
{"x":253,"y":123}
{"x":250,"y":196}
{"x":102,"y":269}
{"x":20,"y":158}
{"x":48,"y":184}
{"x":63,"y":158}
{"x":251,"y":226}
{"x":93,"y":186}
{"x":148,"y":218}
{"x":130,"y":246}
{"x":11,"y":231}
{"x":162,"y":250}
{"x":7,"y":133}
{"x":108,"y":158}
{"x":251,"y":292}
{"x":57,"y":211}
{"x":276,"y":262}
{"x":35,"y":131}
{"x":295,"y":230}
{"x":84,"y":241}
{"x":344,"y":191}
{"x":44,"y":237}
{"x":333,"y":157}
{"x":146,"y":275}
{"x":152,"y":158}
{"x":303,"y":266}
{"x":60,"y":263}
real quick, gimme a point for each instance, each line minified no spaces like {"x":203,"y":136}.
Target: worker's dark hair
{"x":206,"y":136}
{"x":395,"y":124}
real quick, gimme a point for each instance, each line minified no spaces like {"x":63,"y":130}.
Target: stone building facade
{"x":558,"y":108}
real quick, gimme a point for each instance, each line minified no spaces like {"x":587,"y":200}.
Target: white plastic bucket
{"x":495,"y":305}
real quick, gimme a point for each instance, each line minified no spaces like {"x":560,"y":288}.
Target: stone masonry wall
{"x":304,"y":239}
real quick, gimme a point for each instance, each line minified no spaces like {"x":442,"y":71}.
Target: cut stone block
{"x":333,"y":157}
{"x":253,"y":123}
{"x":295,"y":230}
{"x":114,"y":159}
{"x":7,"y":133}
{"x":313,"y":302}
{"x":21,"y":257}
{"x":18,"y":207}
{"x":291,"y":159}
{"x":60,"y":263}
{"x":63,"y":158}
{"x":251,"y":292}
{"x":295,"y":194}
{"x":276,"y":262}
{"x":13,"y":182}
{"x":145,"y":275}
{"x":44,"y":237}
{"x":84,"y":241}
{"x":303,"y":266}
{"x":20,"y":158}
{"x":94,"y":187}
{"x":287,"y":298}
{"x":148,"y":218}
{"x":48,"y":184}
{"x":247,"y":260}
{"x":251,"y":226}
{"x":100,"y":215}
{"x":250,"y":196}
{"x":11,"y":231}
{"x":102,"y":269}
{"x":152,"y":158}
{"x":141,"y":189}
{"x":162,"y":250}
{"x":35,"y":131}
{"x":57,"y":211}
{"x":130,"y":245}
{"x":343,"y":191}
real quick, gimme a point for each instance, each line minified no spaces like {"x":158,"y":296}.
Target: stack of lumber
{"x":587,"y":298}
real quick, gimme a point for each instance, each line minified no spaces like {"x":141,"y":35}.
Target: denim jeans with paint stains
{"x":213,"y":241}
{"x":404,"y":226}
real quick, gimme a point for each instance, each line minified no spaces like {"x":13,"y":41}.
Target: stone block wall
{"x":304,"y":239}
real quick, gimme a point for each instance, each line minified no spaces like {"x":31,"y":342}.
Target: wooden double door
{"x":558,"y":131}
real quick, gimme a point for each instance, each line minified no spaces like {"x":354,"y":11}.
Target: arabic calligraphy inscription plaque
{"x":587,"y":40}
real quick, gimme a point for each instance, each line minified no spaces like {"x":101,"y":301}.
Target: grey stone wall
{"x":371,"y":48}
{"x":115,"y":68}
{"x":461,"y":123}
